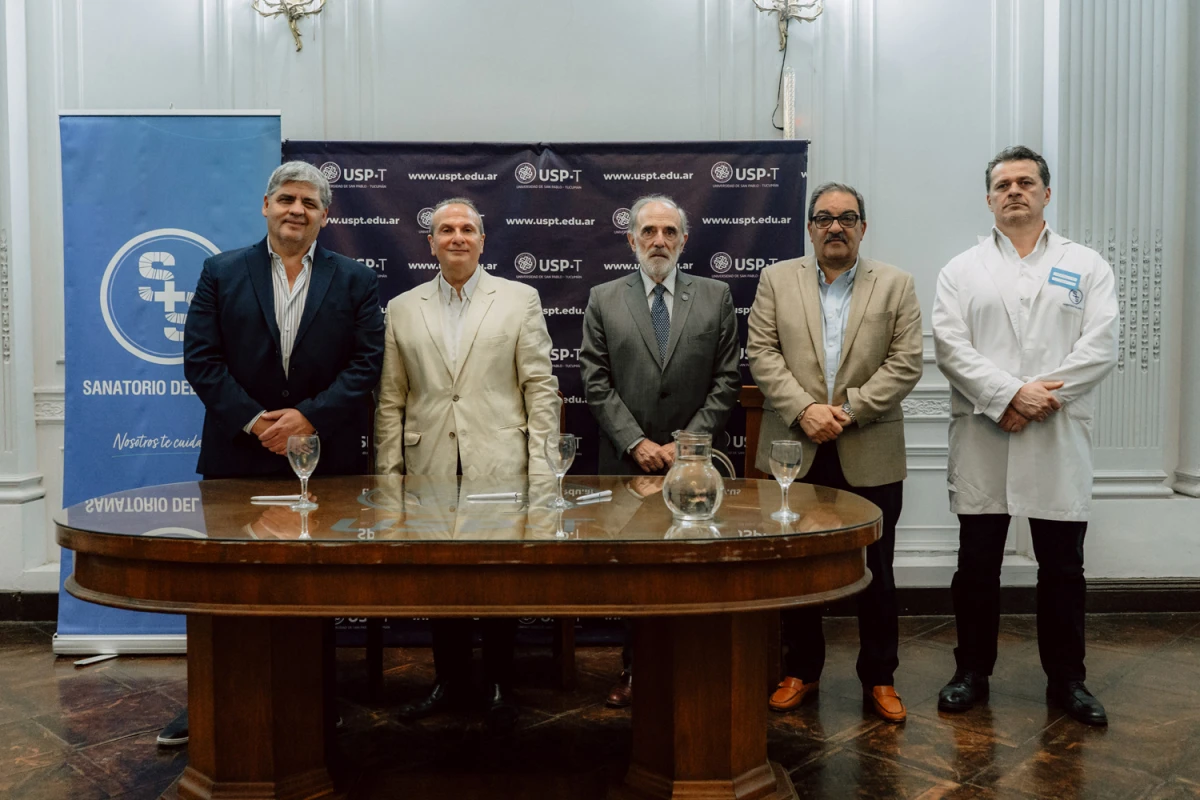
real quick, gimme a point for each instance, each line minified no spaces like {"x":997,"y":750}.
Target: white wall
{"x":906,"y":99}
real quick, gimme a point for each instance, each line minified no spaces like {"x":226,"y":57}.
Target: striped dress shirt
{"x":289,"y":306}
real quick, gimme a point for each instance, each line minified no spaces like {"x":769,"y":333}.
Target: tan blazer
{"x":881,"y":363}
{"x":493,"y":409}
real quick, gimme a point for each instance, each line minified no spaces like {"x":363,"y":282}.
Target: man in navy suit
{"x":283,"y":338}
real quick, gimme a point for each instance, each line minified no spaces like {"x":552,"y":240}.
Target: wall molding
{"x":17,"y":489}
{"x":49,"y":404}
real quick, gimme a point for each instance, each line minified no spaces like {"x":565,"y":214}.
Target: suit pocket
{"x":412,"y":438}
{"x":493,"y":341}
{"x":882,"y":316}
{"x":524,"y":429}
{"x":702,"y":335}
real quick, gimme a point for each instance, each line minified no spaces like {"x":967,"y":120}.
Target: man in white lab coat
{"x":1025,"y":328}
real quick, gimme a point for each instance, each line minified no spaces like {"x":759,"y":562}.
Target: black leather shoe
{"x":964,"y":690}
{"x":176,"y":732}
{"x":1074,"y":698}
{"x":444,"y":696}
{"x":501,"y":710}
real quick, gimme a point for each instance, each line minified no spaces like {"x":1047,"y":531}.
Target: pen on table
{"x":274,"y":498}
{"x":496,"y":496}
{"x":594,"y":496}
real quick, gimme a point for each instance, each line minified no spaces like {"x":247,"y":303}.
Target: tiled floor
{"x":84,"y":733}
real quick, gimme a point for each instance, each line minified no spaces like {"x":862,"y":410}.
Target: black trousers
{"x":878,"y":627}
{"x":1058,"y":547}
{"x":452,"y":644}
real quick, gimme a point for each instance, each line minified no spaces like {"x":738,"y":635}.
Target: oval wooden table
{"x":255,"y":582}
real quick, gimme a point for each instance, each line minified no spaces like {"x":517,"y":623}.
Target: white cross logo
{"x":169,"y":296}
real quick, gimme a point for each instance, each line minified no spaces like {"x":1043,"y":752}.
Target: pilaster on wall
{"x":1187,"y":473}
{"x":1121,"y":131}
{"x":21,"y":490}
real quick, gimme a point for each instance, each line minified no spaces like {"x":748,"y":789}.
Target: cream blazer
{"x":493,"y":409}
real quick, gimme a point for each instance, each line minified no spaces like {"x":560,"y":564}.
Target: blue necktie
{"x":662,"y":322}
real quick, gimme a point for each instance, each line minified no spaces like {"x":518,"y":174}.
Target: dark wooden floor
{"x":84,"y":733}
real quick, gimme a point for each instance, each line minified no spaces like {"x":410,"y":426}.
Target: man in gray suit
{"x":660,"y":354}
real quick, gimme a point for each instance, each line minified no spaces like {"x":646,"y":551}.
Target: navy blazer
{"x":232,"y":360}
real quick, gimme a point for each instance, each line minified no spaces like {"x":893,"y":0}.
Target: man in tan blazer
{"x":467,"y":388}
{"x":835,"y":346}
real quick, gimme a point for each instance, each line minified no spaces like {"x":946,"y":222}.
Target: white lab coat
{"x":1045,"y":471}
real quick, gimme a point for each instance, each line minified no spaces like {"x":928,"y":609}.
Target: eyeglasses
{"x":847,"y":220}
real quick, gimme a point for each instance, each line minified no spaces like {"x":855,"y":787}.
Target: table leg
{"x":255,"y":703}
{"x":700,"y":713}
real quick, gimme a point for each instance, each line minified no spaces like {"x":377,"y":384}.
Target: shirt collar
{"x":307,"y":260}
{"x":447,"y":291}
{"x":669,"y":281}
{"x":845,"y":278}
{"x":1009,"y":250}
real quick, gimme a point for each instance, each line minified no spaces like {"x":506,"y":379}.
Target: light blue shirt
{"x":835,"y":311}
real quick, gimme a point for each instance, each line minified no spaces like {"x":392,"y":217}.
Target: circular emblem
{"x":621,"y":219}
{"x":1076,"y":296}
{"x":720,"y":262}
{"x":721,"y":172}
{"x":525,"y":263}
{"x":147,"y":288}
{"x":331,"y":171}
{"x":425,"y":218}
{"x":525,"y":172}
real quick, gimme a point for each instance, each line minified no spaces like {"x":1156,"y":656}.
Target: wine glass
{"x":303,"y":454}
{"x":786,"y":457}
{"x":560,"y":453}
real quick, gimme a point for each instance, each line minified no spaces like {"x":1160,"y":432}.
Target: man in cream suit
{"x":467,"y":389}
{"x":659,"y":354}
{"x":835,"y":346}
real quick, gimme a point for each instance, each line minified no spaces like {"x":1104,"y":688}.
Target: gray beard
{"x":657,"y":272}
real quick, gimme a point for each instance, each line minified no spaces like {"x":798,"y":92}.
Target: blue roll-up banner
{"x":146,"y":199}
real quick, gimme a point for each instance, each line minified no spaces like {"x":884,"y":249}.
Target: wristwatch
{"x":849,"y":411}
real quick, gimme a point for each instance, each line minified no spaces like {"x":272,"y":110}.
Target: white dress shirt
{"x":289,"y":306}
{"x":454,"y":312}
{"x":1027,"y":269}
{"x":835,"y":312}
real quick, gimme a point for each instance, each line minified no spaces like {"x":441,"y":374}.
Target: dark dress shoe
{"x":964,"y":690}
{"x":176,"y":732}
{"x":621,"y":694}
{"x":1077,"y":701}
{"x":443,"y":697}
{"x":501,"y":710}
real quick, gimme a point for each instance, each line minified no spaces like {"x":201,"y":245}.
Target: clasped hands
{"x":823,"y":423}
{"x":1033,"y":402}
{"x":653,"y":457}
{"x":274,"y":427}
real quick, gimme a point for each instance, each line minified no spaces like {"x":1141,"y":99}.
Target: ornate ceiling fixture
{"x":293,"y":10}
{"x":789,"y":10}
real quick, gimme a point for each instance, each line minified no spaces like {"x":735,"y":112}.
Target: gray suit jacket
{"x":629,"y":393}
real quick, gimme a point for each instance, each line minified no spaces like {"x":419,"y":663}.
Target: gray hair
{"x":1019,"y":153}
{"x":301,"y":172}
{"x":646,"y":200}
{"x":826,"y":188}
{"x":456,"y":201}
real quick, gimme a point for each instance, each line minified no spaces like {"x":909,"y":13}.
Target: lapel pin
{"x":684,"y":296}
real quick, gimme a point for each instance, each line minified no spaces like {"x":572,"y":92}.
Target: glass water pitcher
{"x":693,"y":488}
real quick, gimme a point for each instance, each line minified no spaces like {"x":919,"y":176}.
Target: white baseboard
{"x":125,"y":645}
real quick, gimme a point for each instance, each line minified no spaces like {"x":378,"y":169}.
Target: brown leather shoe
{"x":791,"y":693}
{"x":886,"y":704}
{"x":621,"y":694}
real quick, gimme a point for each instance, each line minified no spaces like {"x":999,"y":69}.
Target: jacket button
{"x":451,"y":434}
{"x":285,"y":392}
{"x":455,"y":398}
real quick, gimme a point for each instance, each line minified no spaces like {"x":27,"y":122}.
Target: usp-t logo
{"x":721,"y":172}
{"x":147,"y":289}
